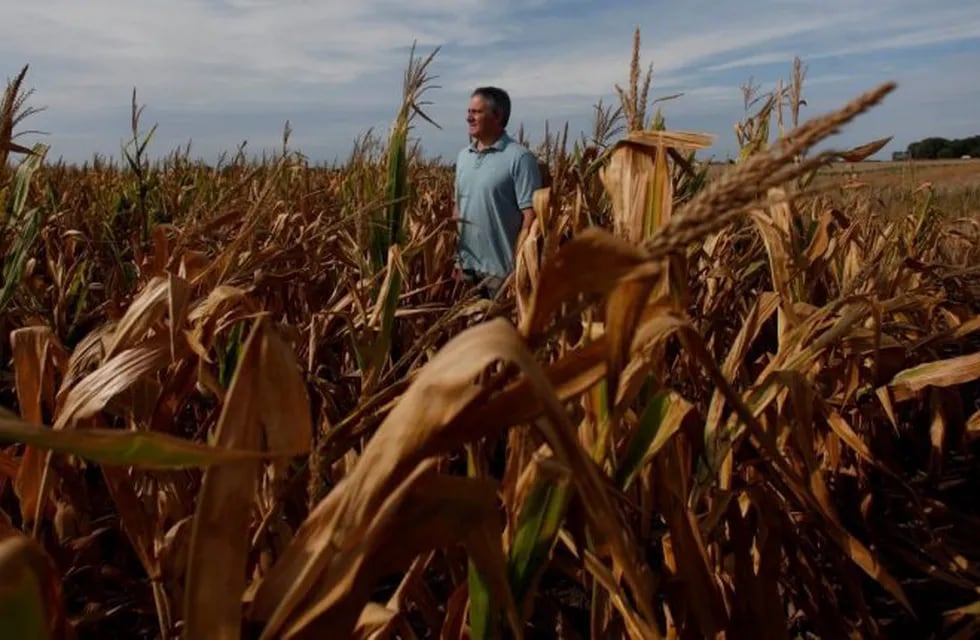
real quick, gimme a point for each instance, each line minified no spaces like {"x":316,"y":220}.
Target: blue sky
{"x":222,"y":72}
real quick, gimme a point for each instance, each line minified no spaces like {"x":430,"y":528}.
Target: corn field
{"x":247,"y":400}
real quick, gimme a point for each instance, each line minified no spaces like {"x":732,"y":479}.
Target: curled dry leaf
{"x":38,"y":356}
{"x":265,"y":408}
{"x":375,"y":621}
{"x":160,"y":296}
{"x":942,"y":373}
{"x":414,"y":430}
{"x":428,"y":511}
{"x":119,"y":373}
{"x":593,"y":262}
{"x":864,"y":151}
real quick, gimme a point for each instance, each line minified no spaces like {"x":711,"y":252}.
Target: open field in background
{"x":943,"y":173}
{"x":955,"y":184}
{"x":935,"y":168}
{"x":247,"y":401}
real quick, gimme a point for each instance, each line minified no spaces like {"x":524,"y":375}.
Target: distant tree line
{"x":942,"y":148}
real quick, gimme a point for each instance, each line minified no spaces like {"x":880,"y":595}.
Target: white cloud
{"x":898,"y":32}
{"x":781,"y":57}
{"x":213,"y":69}
{"x":594,"y":63}
{"x":203,"y":54}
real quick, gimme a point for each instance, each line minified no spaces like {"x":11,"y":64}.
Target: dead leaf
{"x":253,"y":417}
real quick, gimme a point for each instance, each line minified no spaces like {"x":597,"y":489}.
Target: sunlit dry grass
{"x":736,"y":406}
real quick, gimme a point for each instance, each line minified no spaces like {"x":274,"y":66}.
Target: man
{"x":495,"y":183}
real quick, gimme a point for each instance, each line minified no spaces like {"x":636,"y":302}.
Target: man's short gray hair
{"x":498,"y":101}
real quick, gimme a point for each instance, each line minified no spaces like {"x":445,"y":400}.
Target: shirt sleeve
{"x":527,"y":180}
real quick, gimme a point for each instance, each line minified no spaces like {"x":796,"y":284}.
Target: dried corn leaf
{"x":780,"y":256}
{"x":37,"y":355}
{"x":942,"y":373}
{"x":624,"y":310}
{"x":427,"y":511}
{"x":118,"y":374}
{"x":7,"y":145}
{"x":375,"y":621}
{"x":768,"y":392}
{"x":593,"y":262}
{"x":416,"y":428}
{"x":627,"y":178}
{"x":158,"y":296}
{"x":864,"y":151}
{"x":8,"y":466}
{"x":844,"y":431}
{"x":134,"y":520}
{"x":693,"y":567}
{"x":681,"y":140}
{"x":265,"y":406}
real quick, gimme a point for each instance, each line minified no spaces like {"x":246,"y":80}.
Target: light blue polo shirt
{"x":492,"y":187}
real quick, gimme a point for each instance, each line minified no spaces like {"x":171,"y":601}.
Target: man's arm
{"x":527,"y":180}
{"x":528,"y":215}
{"x":528,"y":218}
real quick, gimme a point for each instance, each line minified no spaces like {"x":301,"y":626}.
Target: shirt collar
{"x":499,"y":145}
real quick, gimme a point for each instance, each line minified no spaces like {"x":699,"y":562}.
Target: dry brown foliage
{"x":740,"y":407}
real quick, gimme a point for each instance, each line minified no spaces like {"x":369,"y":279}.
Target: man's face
{"x":481,"y":120}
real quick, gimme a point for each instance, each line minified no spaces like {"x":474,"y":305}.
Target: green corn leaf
{"x":387,"y":233}
{"x":147,"y":450}
{"x":484,"y":619}
{"x":538,"y":524}
{"x":24,"y":224}
{"x":397,"y":186}
{"x":21,"y":186}
{"x":23,"y":612}
{"x":660,"y":420}
{"x":20,"y":252}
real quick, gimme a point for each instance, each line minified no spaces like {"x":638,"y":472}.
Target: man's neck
{"x":489,"y":141}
